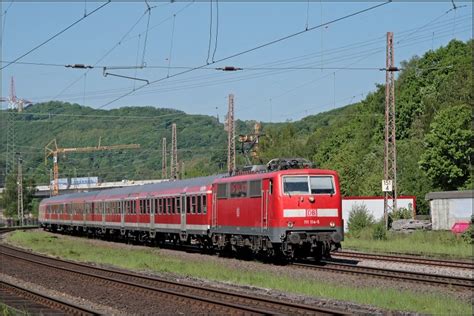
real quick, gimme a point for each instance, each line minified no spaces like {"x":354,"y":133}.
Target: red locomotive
{"x":293,"y":213}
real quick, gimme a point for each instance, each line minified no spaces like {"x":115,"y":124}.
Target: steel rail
{"x":406,"y":259}
{"x":247,"y":303}
{"x":419,"y":277}
{"x":28,"y":300}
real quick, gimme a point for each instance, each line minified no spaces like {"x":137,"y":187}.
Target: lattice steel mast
{"x":19,"y":183}
{"x":230,"y":128}
{"x":390,"y":149}
{"x":14,"y":104}
{"x":174,"y":154}
{"x":164,"y":171}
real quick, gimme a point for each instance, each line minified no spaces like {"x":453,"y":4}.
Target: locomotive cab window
{"x":322,"y":185}
{"x":308,"y":185}
{"x":295,"y":185}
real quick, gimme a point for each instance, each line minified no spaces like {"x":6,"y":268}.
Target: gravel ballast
{"x":255,"y":267}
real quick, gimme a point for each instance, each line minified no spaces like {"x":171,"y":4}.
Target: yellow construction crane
{"x":52,"y":149}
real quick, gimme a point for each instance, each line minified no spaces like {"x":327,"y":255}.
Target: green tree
{"x":446,"y":160}
{"x":9,"y":199}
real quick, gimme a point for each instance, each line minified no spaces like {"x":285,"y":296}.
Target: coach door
{"x":214,"y":209}
{"x":87,"y":208}
{"x":264,"y":204}
{"x":123,"y":209}
{"x":103,"y":213}
{"x":151,"y":207}
{"x":183,"y":234}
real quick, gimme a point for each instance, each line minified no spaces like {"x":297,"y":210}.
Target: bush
{"x":467,"y":236}
{"x":401,"y":213}
{"x":359,"y":219}
{"x":379,"y":232}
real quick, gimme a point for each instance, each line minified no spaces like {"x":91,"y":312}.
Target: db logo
{"x":311,"y":213}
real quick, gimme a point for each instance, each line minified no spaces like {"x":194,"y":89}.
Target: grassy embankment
{"x":430,"y":243}
{"x":151,"y":259}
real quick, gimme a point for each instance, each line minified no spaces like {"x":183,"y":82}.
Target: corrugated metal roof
{"x":466,"y":194}
{"x":192,"y":182}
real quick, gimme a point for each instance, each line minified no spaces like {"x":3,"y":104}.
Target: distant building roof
{"x":466,"y":194}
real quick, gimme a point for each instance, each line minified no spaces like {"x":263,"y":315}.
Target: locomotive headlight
{"x":332,"y":224}
{"x":290,"y":224}
{"x":311,"y":199}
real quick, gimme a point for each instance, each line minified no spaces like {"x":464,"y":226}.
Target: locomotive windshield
{"x":308,"y":185}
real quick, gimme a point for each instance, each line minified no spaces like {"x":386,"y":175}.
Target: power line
{"x":251,"y":49}
{"x":54,"y":36}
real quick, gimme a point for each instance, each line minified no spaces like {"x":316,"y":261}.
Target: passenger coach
{"x":290,"y":213}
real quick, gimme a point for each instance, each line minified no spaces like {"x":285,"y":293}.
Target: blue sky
{"x":261,"y":94}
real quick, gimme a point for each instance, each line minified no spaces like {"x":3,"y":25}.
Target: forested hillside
{"x":434,"y":99}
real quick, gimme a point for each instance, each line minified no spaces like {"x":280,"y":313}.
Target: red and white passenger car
{"x":294,"y":213}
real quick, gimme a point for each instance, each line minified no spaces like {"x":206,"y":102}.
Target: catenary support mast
{"x":389,"y":185}
{"x":174,"y":154}
{"x":230,"y":128}
{"x":164,"y":172}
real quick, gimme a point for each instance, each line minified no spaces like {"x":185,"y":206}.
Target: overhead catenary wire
{"x":411,"y":39}
{"x":171,"y":46}
{"x":210,"y":33}
{"x":123,"y":38}
{"x":217,"y":30}
{"x":146,"y":33}
{"x":252,"y":49}
{"x":55,"y":35}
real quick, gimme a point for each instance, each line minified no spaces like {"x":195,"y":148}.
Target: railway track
{"x":4,"y":230}
{"x":431,"y":279}
{"x":227,"y":302}
{"x":26,"y":301}
{"x":406,"y":259}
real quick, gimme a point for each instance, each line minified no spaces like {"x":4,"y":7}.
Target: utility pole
{"x":164,"y":172}
{"x":230,"y":128}
{"x":52,"y":149}
{"x":174,"y":154}
{"x":19,"y":184}
{"x":389,"y":183}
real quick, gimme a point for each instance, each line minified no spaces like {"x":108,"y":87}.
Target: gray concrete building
{"x":450,"y":207}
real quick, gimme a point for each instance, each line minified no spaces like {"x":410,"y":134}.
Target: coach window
{"x":160,"y":206}
{"x":193,"y":204}
{"x":198,"y":204}
{"x":169,"y":205}
{"x":204,"y":205}
{"x":178,"y":205}
{"x":188,"y":204}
